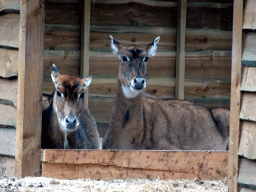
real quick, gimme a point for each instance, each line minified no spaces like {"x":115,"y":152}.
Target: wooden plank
{"x":180,"y":50}
{"x":248,"y":107}
{"x":7,"y":141}
{"x":247,"y":174}
{"x":235,"y":95}
{"x":8,"y":90}
{"x":248,"y":140}
{"x":249,"y":52}
{"x":9,"y":4}
{"x":249,"y":79}
{"x":105,"y":164}
{"x":85,"y":55}
{"x":8,"y":63}
{"x":246,"y":190}
{"x":30,"y":70}
{"x":249,"y":15}
{"x":7,"y":165}
{"x":8,"y":115}
{"x":9,"y":30}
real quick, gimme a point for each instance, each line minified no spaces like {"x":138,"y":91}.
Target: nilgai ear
{"x":115,"y":46}
{"x":152,"y":47}
{"x":55,"y":73}
{"x":87,"y":81}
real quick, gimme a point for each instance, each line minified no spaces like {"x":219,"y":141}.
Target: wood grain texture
{"x":249,"y":51}
{"x":247,"y":174}
{"x":249,"y":15}
{"x":8,"y":90}
{"x":9,"y":4}
{"x":249,"y":79}
{"x":134,"y":164}
{"x":8,"y":115}
{"x":248,"y":107}
{"x":235,"y":95}
{"x":8,"y":63}
{"x":9,"y":30}
{"x":7,"y":141}
{"x":248,"y":140}
{"x":7,"y":165}
{"x":30,"y":70}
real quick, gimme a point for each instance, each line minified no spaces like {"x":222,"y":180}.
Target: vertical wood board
{"x":30,"y":70}
{"x":248,"y":140}
{"x":235,"y":95}
{"x":180,"y":51}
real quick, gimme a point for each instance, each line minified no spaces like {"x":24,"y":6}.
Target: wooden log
{"x":249,"y":15}
{"x":7,"y":141}
{"x":115,"y":164}
{"x":8,"y":63}
{"x":235,"y":95}
{"x":249,"y":51}
{"x":247,"y":174}
{"x":249,"y":79}
{"x":248,"y":140}
{"x":30,"y":70}
{"x":9,"y":5}
{"x":8,"y":90}
{"x":7,"y":165}
{"x":248,"y":107}
{"x":7,"y":115}
{"x":9,"y":30}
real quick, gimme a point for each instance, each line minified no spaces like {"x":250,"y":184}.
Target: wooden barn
{"x":202,"y":46}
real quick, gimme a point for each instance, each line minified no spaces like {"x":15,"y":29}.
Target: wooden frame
{"x":235,"y":95}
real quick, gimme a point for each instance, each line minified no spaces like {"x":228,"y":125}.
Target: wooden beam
{"x":180,"y":51}
{"x":84,"y":69}
{"x":235,"y":95}
{"x":30,"y":70}
{"x":106,"y":164}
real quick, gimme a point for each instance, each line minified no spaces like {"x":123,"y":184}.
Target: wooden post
{"x":84,"y":69}
{"x":30,"y":76}
{"x":235,"y":95}
{"x":180,"y":50}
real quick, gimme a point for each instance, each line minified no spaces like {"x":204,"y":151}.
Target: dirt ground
{"x":38,"y":184}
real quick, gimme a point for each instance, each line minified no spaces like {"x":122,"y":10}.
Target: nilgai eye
{"x":146,"y":59}
{"x":125,"y":58}
{"x":81,"y":96}
{"x":59,"y":94}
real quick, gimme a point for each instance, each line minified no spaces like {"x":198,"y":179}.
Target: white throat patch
{"x":130,"y":94}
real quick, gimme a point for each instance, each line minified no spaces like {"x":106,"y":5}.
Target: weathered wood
{"x":8,"y":90}
{"x":180,"y":50}
{"x":246,"y":190}
{"x":8,"y":63}
{"x":249,"y":15}
{"x":30,"y":70}
{"x":249,"y":52}
{"x":249,"y":79}
{"x":85,"y":54}
{"x":247,"y":174}
{"x":235,"y":95}
{"x":9,"y":30}
{"x":134,"y":164}
{"x":7,"y":165}
{"x":248,"y":111}
{"x":7,"y":141}
{"x":9,"y":4}
{"x":7,"y":115}
{"x":248,"y":140}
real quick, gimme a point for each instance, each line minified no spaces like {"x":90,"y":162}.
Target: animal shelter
{"x":206,"y":55}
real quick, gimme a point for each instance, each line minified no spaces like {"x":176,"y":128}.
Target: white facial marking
{"x":130,"y":93}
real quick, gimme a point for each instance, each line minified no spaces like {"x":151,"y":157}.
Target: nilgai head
{"x":68,"y":99}
{"x":133,"y":67}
